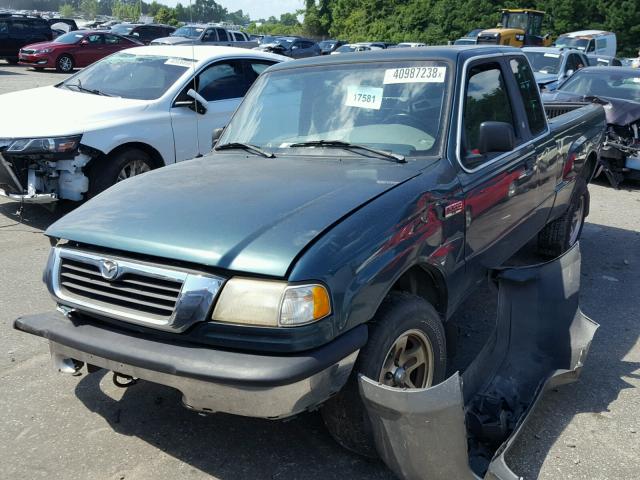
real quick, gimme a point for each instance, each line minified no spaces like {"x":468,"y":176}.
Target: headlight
{"x":271,"y":303}
{"x":45,"y":50}
{"x":44,"y":145}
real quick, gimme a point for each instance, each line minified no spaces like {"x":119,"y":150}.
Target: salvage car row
{"x":346,"y":210}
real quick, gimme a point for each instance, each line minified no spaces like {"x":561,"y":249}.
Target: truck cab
{"x":590,"y":42}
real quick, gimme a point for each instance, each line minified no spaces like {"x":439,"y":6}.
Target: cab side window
{"x":486,"y":100}
{"x":210,"y":36}
{"x":222,"y":35}
{"x":222,"y":81}
{"x":530,"y":95}
{"x":4,"y":28}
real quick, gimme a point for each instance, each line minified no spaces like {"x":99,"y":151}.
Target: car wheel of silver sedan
{"x":133,"y":168}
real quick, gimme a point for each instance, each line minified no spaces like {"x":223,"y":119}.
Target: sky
{"x":255,"y":8}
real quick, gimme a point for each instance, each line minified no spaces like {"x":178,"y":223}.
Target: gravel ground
{"x":59,"y":427}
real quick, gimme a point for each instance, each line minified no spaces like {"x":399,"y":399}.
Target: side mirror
{"x":201,"y":102}
{"x":496,"y":137}
{"x":295,"y":47}
{"x":570,"y":72}
{"x":84,"y":42}
{"x":217,"y":133}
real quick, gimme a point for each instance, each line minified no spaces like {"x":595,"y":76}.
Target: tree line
{"x":436,"y":22}
{"x":197,"y":11}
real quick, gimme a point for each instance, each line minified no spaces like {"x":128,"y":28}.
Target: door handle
{"x":530,"y":168}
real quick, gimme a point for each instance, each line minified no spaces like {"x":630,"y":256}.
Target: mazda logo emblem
{"x":108,"y":269}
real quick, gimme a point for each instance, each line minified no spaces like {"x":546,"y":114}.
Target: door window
{"x":574,"y":62}
{"x":222,"y":35}
{"x":486,"y":99}
{"x":95,"y":39}
{"x":111,"y":39}
{"x":257,"y":67}
{"x":601,"y":43}
{"x":210,"y":36}
{"x":222,"y":81}
{"x":4,"y":28}
{"x":530,"y":95}
{"x":19,"y":26}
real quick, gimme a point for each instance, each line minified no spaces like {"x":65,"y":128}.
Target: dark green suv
{"x":16,"y":31}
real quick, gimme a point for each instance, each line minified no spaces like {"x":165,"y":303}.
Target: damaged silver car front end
{"x":463,"y":427}
{"x":43,"y":177}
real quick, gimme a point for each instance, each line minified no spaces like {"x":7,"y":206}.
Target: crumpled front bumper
{"x":463,"y":427}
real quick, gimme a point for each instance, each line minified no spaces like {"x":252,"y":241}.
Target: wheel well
{"x":590,"y":166}
{"x":426,"y":282}
{"x":155,"y":156}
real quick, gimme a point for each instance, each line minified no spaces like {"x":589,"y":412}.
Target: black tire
{"x":105,"y":172}
{"x":12,"y":61}
{"x":65,"y":63}
{"x":344,"y":414}
{"x":558,"y":236}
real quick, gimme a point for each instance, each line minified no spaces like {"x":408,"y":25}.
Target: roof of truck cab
{"x":450,"y":53}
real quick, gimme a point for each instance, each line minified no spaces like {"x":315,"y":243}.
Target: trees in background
{"x":439,"y":21}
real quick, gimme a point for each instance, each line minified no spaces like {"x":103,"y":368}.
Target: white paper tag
{"x":180,"y":62}
{"x":552,"y":55}
{"x":415,"y":75}
{"x":364,"y":97}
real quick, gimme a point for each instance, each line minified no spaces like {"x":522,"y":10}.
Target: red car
{"x":74,"y":49}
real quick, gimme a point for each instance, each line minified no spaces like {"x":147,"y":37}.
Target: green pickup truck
{"x":350,"y":206}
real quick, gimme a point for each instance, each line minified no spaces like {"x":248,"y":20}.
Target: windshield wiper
{"x":350,"y":146}
{"x":79,"y":86}
{"x":245,"y":146}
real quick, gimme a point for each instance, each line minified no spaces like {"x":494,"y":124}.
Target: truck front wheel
{"x":406,"y":349}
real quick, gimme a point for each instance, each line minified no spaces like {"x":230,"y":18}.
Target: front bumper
{"x":240,"y":383}
{"x":36,"y":60}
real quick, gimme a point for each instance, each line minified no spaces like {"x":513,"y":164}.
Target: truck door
{"x":500,"y":186}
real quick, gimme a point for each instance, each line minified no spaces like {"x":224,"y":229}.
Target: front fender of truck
{"x":364,"y":255}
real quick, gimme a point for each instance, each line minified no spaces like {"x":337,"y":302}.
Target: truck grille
{"x":131,"y":291}
{"x":135,"y":291}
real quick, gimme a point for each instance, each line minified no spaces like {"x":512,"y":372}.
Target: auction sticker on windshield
{"x":415,"y":75}
{"x":180,"y":62}
{"x":364,"y":97}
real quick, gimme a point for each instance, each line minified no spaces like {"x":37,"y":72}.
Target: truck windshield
{"x":571,"y":42}
{"x":189,"y":32}
{"x":623,"y":85}
{"x":396,"y":107}
{"x":544,"y":62}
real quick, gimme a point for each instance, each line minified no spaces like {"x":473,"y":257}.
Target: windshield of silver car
{"x":125,"y":75}
{"x":391,"y":106}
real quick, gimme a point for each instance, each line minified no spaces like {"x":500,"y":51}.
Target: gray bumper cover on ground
{"x":463,"y":427}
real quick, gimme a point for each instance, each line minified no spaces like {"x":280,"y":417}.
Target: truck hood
{"x":174,"y":40}
{"x":544,"y":78}
{"x":58,"y":111}
{"x":231,"y":211}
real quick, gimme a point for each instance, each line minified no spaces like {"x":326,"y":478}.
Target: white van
{"x":591,"y":42}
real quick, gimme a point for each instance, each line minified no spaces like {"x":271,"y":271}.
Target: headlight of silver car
{"x":44,"y":145}
{"x":268,"y":303}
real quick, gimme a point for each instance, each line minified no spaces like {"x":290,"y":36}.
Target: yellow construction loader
{"x":520,"y":27}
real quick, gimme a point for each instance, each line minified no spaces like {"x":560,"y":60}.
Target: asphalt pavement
{"x":84,"y":427}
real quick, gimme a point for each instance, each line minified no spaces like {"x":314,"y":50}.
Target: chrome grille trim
{"x":166,"y":298}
